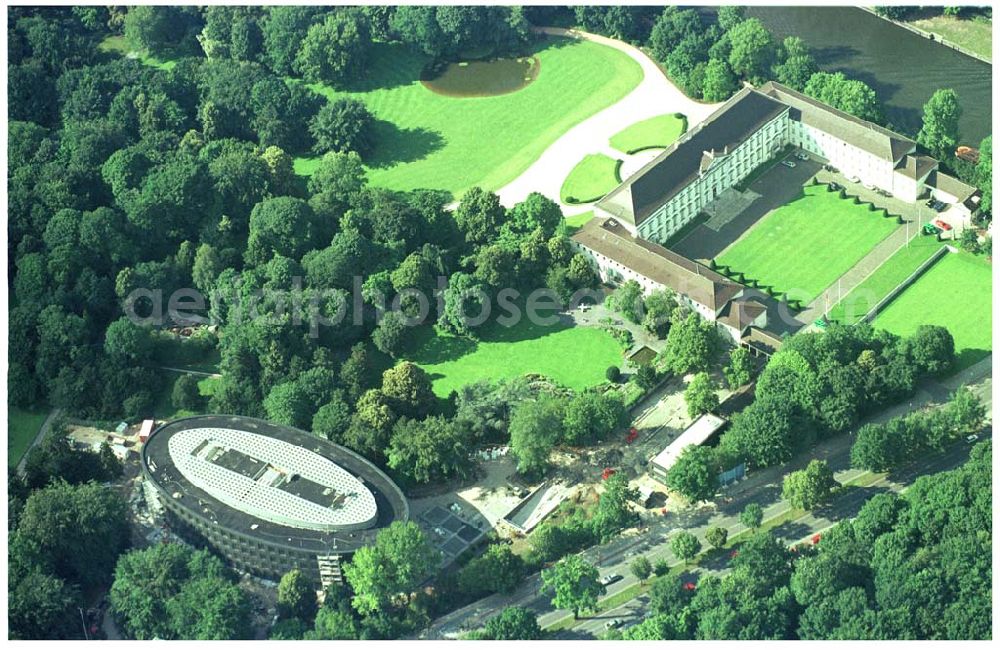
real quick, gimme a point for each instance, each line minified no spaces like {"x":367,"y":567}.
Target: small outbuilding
{"x":700,"y":432}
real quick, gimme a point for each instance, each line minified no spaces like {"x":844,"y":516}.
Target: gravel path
{"x":655,"y":95}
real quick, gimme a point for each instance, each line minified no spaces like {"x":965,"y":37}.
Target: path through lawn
{"x":956,"y":292}
{"x":805,"y":245}
{"x":426,"y":140}
{"x":577,"y":357}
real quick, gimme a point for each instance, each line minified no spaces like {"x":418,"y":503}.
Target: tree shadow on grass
{"x":395,"y":145}
{"x":391,"y":65}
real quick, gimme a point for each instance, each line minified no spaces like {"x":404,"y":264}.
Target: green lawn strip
{"x":426,"y":140}
{"x":163,"y":409}
{"x":22,"y":427}
{"x":974,"y":34}
{"x":118,"y":44}
{"x":887,"y":277}
{"x":805,"y":245}
{"x":577,"y":357}
{"x":955,"y":293}
{"x":577,"y":221}
{"x":656,"y":132}
{"x":592,"y":178}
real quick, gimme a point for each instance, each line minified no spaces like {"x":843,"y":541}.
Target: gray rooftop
{"x":865,"y":135}
{"x":667,"y":174}
{"x":696,"y":281}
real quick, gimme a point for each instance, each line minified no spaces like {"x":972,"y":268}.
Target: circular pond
{"x":480,"y":78}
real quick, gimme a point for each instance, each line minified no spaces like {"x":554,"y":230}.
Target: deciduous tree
{"x":575,"y":583}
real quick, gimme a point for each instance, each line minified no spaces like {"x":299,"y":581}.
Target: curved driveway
{"x":655,"y":95}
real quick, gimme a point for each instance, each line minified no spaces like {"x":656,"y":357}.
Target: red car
{"x":633,"y":433}
{"x":690,"y":586}
{"x":816,"y":538}
{"x":942,"y":224}
{"x":607,"y":473}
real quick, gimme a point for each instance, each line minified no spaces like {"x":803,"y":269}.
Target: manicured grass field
{"x":955,"y":293}
{"x":426,"y":140}
{"x":574,"y":356}
{"x":805,"y":245}
{"x":163,"y":409}
{"x":592,"y":178}
{"x":22,"y":427}
{"x":659,"y":131}
{"x":887,"y":277}
{"x":118,"y":44}
{"x":578,"y":221}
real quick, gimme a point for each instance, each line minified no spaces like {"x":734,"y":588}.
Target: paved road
{"x":845,"y":506}
{"x":42,"y":432}
{"x":186,"y":371}
{"x":762,"y":487}
{"x":655,"y":95}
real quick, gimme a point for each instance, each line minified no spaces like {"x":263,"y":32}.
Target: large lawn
{"x":659,"y":131}
{"x":887,"y":277}
{"x":577,"y":357}
{"x":590,"y":179}
{"x":805,"y":245}
{"x":426,"y":140}
{"x":955,"y":293}
{"x":22,"y":427}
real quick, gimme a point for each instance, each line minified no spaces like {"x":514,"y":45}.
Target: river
{"x":904,"y":68}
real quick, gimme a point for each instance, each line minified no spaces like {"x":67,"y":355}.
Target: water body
{"x":904,"y":68}
{"x":481,"y":78}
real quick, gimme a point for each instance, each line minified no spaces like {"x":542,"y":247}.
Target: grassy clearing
{"x":805,"y":245}
{"x":592,"y":178}
{"x":956,"y":293}
{"x":659,"y":131}
{"x":426,"y":140}
{"x":974,"y":34}
{"x":163,"y":409}
{"x":887,"y":277}
{"x":118,"y":44}
{"x":574,"y":356}
{"x":22,"y":427}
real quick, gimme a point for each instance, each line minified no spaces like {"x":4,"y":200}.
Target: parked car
{"x":930,"y":229}
{"x":939,"y":206}
{"x":943,"y":225}
{"x":801,"y":155}
{"x":971,"y":439}
{"x":610,"y":579}
{"x":613,"y":623}
{"x":835,"y":187}
{"x":854,"y":179}
{"x":788,"y":163}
